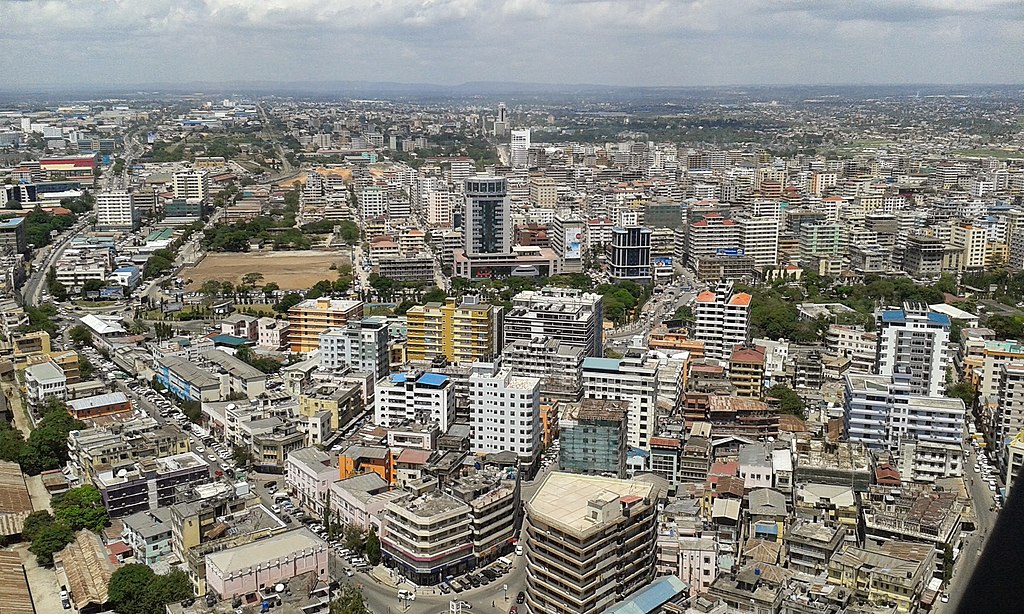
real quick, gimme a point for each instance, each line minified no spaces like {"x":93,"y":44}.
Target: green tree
{"x":192,"y":410}
{"x":965,"y":391}
{"x":251,"y":279}
{"x":354,"y":538}
{"x":50,"y":540}
{"x":168,"y":588}
{"x":80,"y":335}
{"x":350,"y":602}
{"x":80,"y":508}
{"x":372,"y":547}
{"x":35,"y":523}
{"x":85,"y":367}
{"x":91,"y":285}
{"x":287,"y":302}
{"x":242,"y":455}
{"x":349,"y":232}
{"x":789,"y":401}
{"x":128,"y":586}
{"x":269,"y":289}
{"x":12,"y":443}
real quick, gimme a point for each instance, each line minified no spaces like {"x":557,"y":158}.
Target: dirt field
{"x":296,"y":270}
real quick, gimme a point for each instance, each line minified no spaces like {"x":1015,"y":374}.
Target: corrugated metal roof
{"x":651,"y":597}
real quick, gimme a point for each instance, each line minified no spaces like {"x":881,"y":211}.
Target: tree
{"x":372,"y":547}
{"x":80,"y":508}
{"x":287,"y":302}
{"x":354,"y":538}
{"x":80,"y":335}
{"x":349,"y":232}
{"x":350,"y":602}
{"x":269,"y":289}
{"x":192,"y":410}
{"x":50,"y":540}
{"x":91,"y":285}
{"x":85,"y":367}
{"x":35,"y":523}
{"x":242,"y":455}
{"x":165,"y":589}
{"x":789,"y":401}
{"x":965,"y":391}
{"x":12,"y":443}
{"x":126,"y":592}
{"x":251,"y":279}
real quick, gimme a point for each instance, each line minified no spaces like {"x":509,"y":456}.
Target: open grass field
{"x":992,"y":153}
{"x":291,"y":270}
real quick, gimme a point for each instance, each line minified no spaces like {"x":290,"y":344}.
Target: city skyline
{"x":612,"y":42}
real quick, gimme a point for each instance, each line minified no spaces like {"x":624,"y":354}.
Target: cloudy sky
{"x":616,"y":42}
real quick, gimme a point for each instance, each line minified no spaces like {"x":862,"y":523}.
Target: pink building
{"x":244,"y":570}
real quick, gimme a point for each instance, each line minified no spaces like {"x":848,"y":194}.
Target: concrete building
{"x":629,"y":254}
{"x":191,"y":185}
{"x":149,"y":534}
{"x":308,"y":319}
{"x":588,"y":542}
{"x":415,"y":397}
{"x":519,"y":148}
{"x":115,"y":211}
{"x":488,"y":227}
{"x":428,"y":537}
{"x":1008,"y":417}
{"x":100,"y":405}
{"x":722,"y":320}
{"x":463,"y":333}
{"x":362,"y":345}
{"x":747,"y":370}
{"x":251,"y":569}
{"x":880,"y":578}
{"x":272,"y":333}
{"x":915,"y":338}
{"x":592,"y":435}
{"x":504,"y":412}
{"x":634,"y":379}
{"x":309,"y":475}
{"x":558,"y":366}
{"x":45,"y":380}
{"x":148,"y":484}
{"x":12,"y":234}
{"x":571,"y":316}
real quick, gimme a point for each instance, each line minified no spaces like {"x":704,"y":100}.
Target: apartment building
{"x":588,"y":542}
{"x":558,"y":366}
{"x":722,"y":320}
{"x":573,"y":317}
{"x":44,"y":380}
{"x":504,"y":413}
{"x":914,"y":338}
{"x":308,"y":319}
{"x":361,"y":345}
{"x":115,"y":211}
{"x":191,"y":185}
{"x":463,"y":333}
{"x":884,"y":575}
{"x":632,"y":378}
{"x":309,"y":475}
{"x":428,"y":537}
{"x":629,"y":254}
{"x":593,"y":435}
{"x":148,"y":484}
{"x":420,"y":397}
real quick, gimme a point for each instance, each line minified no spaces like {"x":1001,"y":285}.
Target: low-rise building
{"x":810,"y":546}
{"x":45,"y":380}
{"x":148,"y":484}
{"x":148,"y":534}
{"x":99,"y":405}
{"x":884,"y":575}
{"x":245,"y":570}
{"x":428,"y":537}
{"x":309,"y":475}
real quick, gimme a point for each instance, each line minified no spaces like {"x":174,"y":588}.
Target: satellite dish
{"x":279,"y":588}
{"x":122,"y":473}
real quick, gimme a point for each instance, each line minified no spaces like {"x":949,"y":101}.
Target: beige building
{"x":463,"y":333}
{"x":311,"y":317}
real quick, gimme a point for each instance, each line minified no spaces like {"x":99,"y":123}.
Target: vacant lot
{"x":290,"y":270}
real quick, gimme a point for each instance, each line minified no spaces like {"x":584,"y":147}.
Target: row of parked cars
{"x":480,"y":577}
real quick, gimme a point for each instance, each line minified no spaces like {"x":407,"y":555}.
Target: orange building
{"x":364,"y":459}
{"x":99,"y":405}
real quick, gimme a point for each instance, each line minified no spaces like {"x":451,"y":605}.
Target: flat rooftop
{"x":563,"y":498}
{"x":272,"y":548}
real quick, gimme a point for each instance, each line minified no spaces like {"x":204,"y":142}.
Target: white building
{"x":115,"y":211}
{"x":722,"y":320}
{"x":571,"y":316}
{"x":191,"y":185}
{"x":914,"y":338}
{"x":44,"y":380}
{"x":439,"y":208}
{"x":415,"y":397}
{"x":309,"y":475}
{"x":271,"y":333}
{"x":362,"y":345}
{"x":373,"y":203}
{"x":633,"y":378}
{"x":1008,"y":417}
{"x":519,"y":148}
{"x":760,"y":237}
{"x":629,"y":256}
{"x":504,"y":411}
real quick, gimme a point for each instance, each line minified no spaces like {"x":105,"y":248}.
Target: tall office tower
{"x":589,"y":542}
{"x":710,"y":235}
{"x":504,"y":413}
{"x":502,"y":113}
{"x":571,"y":316}
{"x":1008,"y":419}
{"x":914,"y":338}
{"x":115,"y":211}
{"x":373,"y":203}
{"x":633,"y":378}
{"x":501,"y":121}
{"x":722,"y":320}
{"x":487,"y":223}
{"x":567,"y":239}
{"x":463,"y":333}
{"x":191,"y":185}
{"x":519,"y":148}
{"x":439,"y":208}
{"x":362,"y":345}
{"x":630,"y":255}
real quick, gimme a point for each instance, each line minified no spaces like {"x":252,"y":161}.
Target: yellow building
{"x":462,"y":333}
{"x":344,"y":403}
{"x":311,"y":317}
{"x":895,"y":573}
{"x":34,"y":343}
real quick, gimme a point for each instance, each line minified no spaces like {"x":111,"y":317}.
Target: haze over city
{"x":613,"y":42}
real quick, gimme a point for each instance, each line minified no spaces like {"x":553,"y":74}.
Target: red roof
{"x":414,"y":456}
{"x":665,"y":442}
{"x":630,"y":499}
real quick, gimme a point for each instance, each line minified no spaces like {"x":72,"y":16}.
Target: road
{"x":973,"y":544}
{"x":287,"y":170}
{"x":46,"y":257}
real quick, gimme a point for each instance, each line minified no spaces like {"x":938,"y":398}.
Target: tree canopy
{"x":136,"y":589}
{"x":789,"y":401}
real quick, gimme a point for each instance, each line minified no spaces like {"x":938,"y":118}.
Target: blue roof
{"x":397,"y":378}
{"x":894,"y":315}
{"x":11,"y":222}
{"x":432,"y":379}
{"x":938,"y":318}
{"x":651,"y":597}
{"x":601,"y":364}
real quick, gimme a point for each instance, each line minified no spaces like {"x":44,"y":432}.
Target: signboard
{"x":729,"y":251}
{"x":112,"y":292}
{"x":573,"y":243}
{"x":662,"y":261}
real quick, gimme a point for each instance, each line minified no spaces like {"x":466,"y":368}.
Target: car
{"x":349,"y":573}
{"x":992,"y":487}
{"x":513,"y":610}
{"x":945,"y":598}
{"x":521,"y":597}
{"x":465,"y":605}
{"x":275,"y":509}
{"x":200,"y":449}
{"x":443,"y":587}
{"x":473,"y":581}
{"x":212,"y":458}
{"x":406,"y":594}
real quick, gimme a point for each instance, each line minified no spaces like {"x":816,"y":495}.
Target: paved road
{"x":973,"y":544}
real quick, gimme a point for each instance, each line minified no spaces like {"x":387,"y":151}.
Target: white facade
{"x":519,"y":148}
{"x":760,"y":239}
{"x":571,"y":316}
{"x":191,"y":185}
{"x":633,"y":378}
{"x":373,"y":203}
{"x":45,"y":380}
{"x":115,"y":211}
{"x":722,"y":320}
{"x":271,"y":333}
{"x":504,"y":411}
{"x":362,"y":345}
{"x":309,"y":475}
{"x":917,"y":339}
{"x":412,"y":397}
{"x":439,"y":208}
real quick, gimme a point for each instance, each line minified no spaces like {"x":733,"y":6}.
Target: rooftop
{"x":563,"y":499}
{"x":15,"y":596}
{"x":265,"y":550}
{"x":99,"y":400}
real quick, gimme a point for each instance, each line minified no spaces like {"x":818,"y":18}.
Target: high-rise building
{"x":629,"y":257}
{"x":487,"y":223}
{"x":712,"y":235}
{"x":722,"y":320}
{"x":592,"y":437}
{"x":1008,"y":417}
{"x":632,"y":378}
{"x":760,"y":239}
{"x":362,"y":345}
{"x":373,"y":203}
{"x":415,"y":397}
{"x":567,"y":239}
{"x":115,"y":211}
{"x":881,"y":412}
{"x":543,"y":192}
{"x":571,"y":316}
{"x":191,"y":185}
{"x":309,"y":318}
{"x":914,"y":338}
{"x":463,"y":332}
{"x":519,"y":148}
{"x":589,"y":542}
{"x":558,"y":366}
{"x":504,"y":412}
{"x":439,"y":208}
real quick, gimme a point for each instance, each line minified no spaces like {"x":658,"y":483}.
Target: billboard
{"x":573,"y":243}
{"x":662,"y":261}
{"x":729,"y":251}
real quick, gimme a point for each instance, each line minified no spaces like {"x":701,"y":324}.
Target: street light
{"x":505,"y":588}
